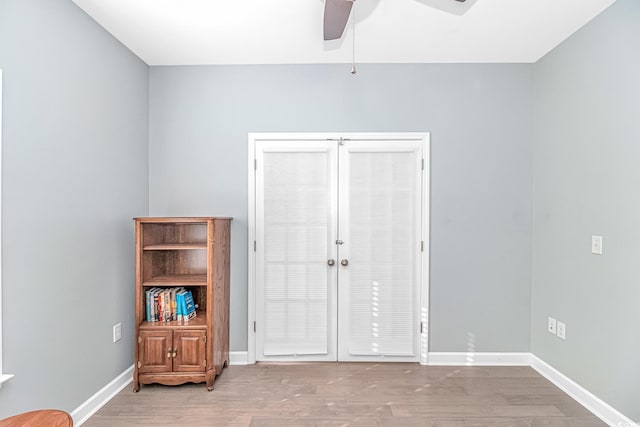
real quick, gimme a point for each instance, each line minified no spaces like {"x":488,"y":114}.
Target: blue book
{"x":183,"y":305}
{"x":179,"y":304}
{"x":190,"y":306}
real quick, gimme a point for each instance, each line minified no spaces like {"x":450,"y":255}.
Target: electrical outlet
{"x":562,"y":330}
{"x":117,"y":332}
{"x":551,"y":325}
{"x":596,"y":245}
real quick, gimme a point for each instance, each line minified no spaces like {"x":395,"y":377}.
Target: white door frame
{"x":251,"y":254}
{"x":3,"y":377}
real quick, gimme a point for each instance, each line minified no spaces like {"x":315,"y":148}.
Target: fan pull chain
{"x":353,"y":16}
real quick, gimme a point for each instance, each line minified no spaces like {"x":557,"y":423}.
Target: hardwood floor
{"x":353,"y":394}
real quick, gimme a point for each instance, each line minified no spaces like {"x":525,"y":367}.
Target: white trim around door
{"x":3,"y":377}
{"x":422,"y":317}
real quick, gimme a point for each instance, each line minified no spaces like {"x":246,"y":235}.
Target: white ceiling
{"x":174,"y":32}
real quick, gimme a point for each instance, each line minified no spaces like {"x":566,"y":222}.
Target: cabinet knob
{"x":331,"y":262}
{"x":344,"y":262}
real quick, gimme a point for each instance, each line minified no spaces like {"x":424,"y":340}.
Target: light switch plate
{"x":596,"y":245}
{"x":117,"y":332}
{"x":562,"y":330}
{"x":551,"y":325}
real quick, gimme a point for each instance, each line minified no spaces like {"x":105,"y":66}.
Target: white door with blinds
{"x":296,"y":298}
{"x":380,"y":229}
{"x":339,"y":249}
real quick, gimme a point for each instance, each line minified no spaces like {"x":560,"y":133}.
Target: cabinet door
{"x":190,"y":353}
{"x":154,"y":351}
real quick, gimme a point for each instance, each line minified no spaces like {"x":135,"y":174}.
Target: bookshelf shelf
{"x":198,"y":322}
{"x":176,"y":246}
{"x":177,"y":280}
{"x":176,"y":256}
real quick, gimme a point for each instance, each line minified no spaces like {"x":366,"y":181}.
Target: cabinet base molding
{"x":171,"y":379}
{"x":89,"y":407}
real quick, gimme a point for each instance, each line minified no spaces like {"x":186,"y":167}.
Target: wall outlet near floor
{"x":551,"y":325}
{"x":117,"y":332}
{"x":562,"y":330}
{"x":596,"y":245}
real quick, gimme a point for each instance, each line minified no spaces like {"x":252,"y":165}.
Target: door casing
{"x":424,"y":137}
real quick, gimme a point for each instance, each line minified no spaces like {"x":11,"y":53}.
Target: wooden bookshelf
{"x":192,"y":253}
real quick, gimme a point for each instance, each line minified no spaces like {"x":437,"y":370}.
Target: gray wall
{"x":74,"y":173}
{"x":587,"y":182}
{"x":480,"y":117}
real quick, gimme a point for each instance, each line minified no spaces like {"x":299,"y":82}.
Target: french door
{"x":339,"y":249}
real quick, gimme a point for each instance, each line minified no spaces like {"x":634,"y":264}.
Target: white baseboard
{"x":238,"y":357}
{"x":479,"y":359}
{"x":599,"y":408}
{"x":5,"y":378}
{"x":82,"y":413}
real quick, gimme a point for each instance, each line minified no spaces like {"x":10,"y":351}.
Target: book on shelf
{"x":166,"y":305}
{"x":160,"y":313}
{"x":150,"y":305}
{"x":183,"y":305}
{"x":178,"y":306}
{"x":163,"y":304}
{"x":156,"y":305}
{"x":148,"y":311}
{"x":190,"y":307}
{"x":174,"y":305}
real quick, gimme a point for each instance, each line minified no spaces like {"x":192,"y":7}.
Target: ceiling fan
{"x":336,"y":16}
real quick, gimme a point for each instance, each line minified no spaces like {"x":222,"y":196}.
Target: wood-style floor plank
{"x":353,"y":394}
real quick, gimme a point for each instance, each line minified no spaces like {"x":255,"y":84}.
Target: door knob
{"x":331,"y":262}
{"x":344,"y":262}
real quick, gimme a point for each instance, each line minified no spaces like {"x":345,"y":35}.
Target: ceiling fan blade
{"x":336,"y":16}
